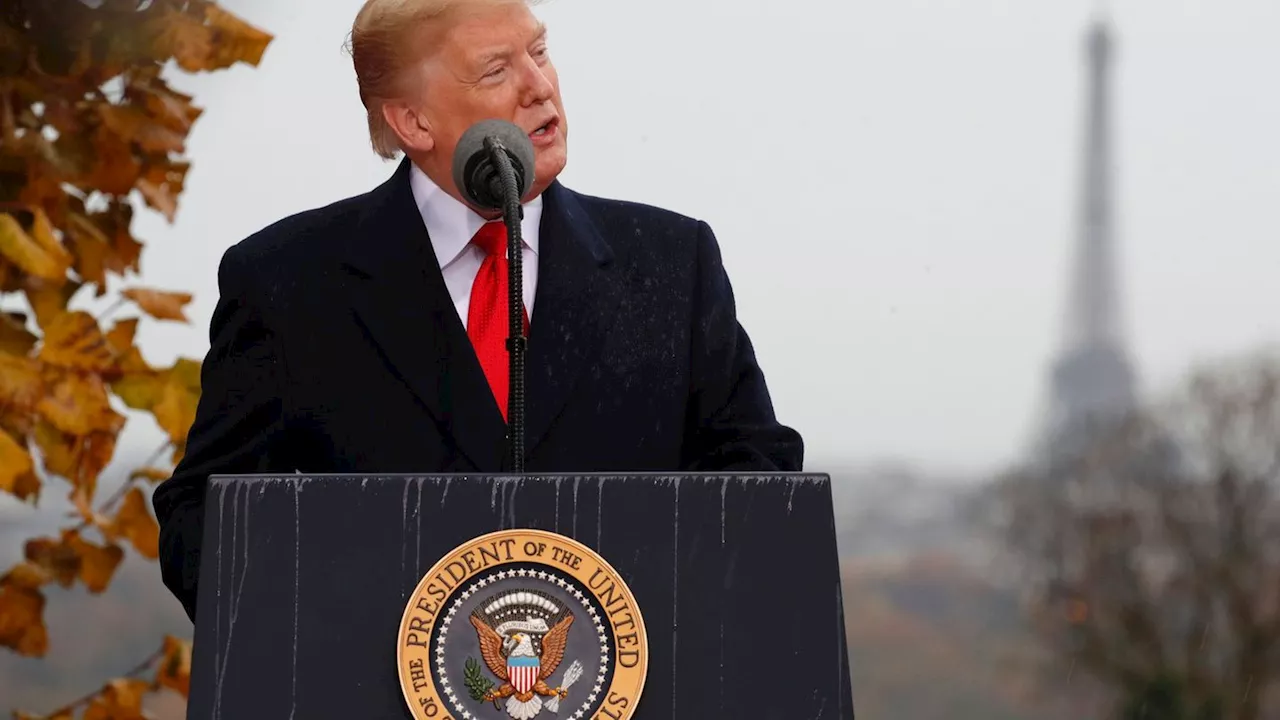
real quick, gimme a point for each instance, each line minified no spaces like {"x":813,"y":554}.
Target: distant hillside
{"x":928,"y":640}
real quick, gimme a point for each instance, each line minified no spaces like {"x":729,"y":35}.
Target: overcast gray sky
{"x":892,"y":184}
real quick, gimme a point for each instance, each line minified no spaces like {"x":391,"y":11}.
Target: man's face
{"x":493,"y":63}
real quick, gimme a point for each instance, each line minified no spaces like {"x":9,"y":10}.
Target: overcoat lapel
{"x":579,"y":288}
{"x":399,"y":297}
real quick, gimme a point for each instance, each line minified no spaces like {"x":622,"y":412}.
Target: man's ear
{"x":409,"y":125}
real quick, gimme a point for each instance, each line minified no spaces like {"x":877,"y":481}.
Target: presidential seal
{"x":522,"y":624}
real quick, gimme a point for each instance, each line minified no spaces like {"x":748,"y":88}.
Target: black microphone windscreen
{"x":473,"y":170}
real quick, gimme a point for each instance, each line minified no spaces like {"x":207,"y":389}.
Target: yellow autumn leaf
{"x":133,"y":522}
{"x":91,"y":248}
{"x":78,"y":404}
{"x":49,"y":299}
{"x":160,"y":304}
{"x":74,"y":340}
{"x":34,"y":255}
{"x":141,"y":390}
{"x":120,"y":336}
{"x":21,"y":384}
{"x":78,"y":458}
{"x":17,"y":476}
{"x":175,"y":410}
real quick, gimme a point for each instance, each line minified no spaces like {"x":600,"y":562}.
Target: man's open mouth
{"x":545,"y":128}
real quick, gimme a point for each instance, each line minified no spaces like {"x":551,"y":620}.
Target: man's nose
{"x":537,"y":86}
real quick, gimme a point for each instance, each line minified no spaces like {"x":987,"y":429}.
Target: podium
{"x":315,"y":589}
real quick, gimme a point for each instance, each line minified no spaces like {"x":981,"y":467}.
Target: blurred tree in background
{"x":1153,"y":556}
{"x":86,"y":119}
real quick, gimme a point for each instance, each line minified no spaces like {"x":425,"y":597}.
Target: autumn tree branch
{"x":72,"y":155}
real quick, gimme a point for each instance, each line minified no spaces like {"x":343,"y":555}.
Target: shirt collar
{"x":451,"y":224}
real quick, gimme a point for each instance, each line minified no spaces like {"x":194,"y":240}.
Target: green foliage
{"x":477,"y":684}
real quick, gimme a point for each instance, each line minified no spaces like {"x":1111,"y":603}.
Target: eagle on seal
{"x":522,"y":670}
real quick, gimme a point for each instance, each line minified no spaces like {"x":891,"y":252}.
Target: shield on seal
{"x":523,"y":672}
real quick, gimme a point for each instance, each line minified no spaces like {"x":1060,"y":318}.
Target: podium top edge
{"x":812,"y":477}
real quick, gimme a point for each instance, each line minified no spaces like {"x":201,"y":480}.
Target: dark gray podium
{"x":304,"y":581}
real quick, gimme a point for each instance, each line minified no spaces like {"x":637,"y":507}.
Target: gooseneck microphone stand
{"x":513,"y":213}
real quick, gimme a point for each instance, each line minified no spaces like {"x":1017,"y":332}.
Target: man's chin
{"x":548,"y":165}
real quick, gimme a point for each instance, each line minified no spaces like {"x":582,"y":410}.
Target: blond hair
{"x":386,"y":40}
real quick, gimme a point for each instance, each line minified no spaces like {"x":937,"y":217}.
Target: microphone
{"x":477,"y":167}
{"x":493,"y":169}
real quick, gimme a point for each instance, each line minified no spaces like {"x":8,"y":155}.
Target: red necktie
{"x":487,"y":315}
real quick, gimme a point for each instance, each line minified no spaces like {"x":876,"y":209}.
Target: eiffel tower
{"x":1092,"y":382}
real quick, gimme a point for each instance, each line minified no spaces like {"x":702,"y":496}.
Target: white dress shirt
{"x":452,"y":224}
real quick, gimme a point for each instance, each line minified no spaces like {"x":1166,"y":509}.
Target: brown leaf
{"x":136,"y":126}
{"x":11,"y":276}
{"x":234,"y":40}
{"x":21,"y":385}
{"x":187,"y":39}
{"x":78,"y":404}
{"x":18,"y":424}
{"x":55,"y":557}
{"x":97,"y":563}
{"x":114,"y":223}
{"x":121,"y":699}
{"x":150,"y":474}
{"x":29,"y":253}
{"x":59,"y":451}
{"x":44,"y":189}
{"x":22,"y":620}
{"x":15,"y":339}
{"x":161,"y":184}
{"x":79,"y":459}
{"x":120,"y":336}
{"x":116,"y":168}
{"x":49,"y":299}
{"x":160,"y":304}
{"x":26,"y":574}
{"x":95,"y":454}
{"x":128,"y":250}
{"x":134,"y":523}
{"x":176,"y":409}
{"x":169,"y":107}
{"x":74,"y":340}
{"x":91,"y":248}
{"x":17,"y":475}
{"x":175,"y":667}
{"x":132,"y":362}
{"x":128,"y":357}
